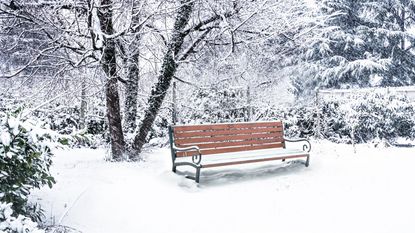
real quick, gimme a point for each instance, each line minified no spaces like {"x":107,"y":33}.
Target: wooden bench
{"x":215,"y":145}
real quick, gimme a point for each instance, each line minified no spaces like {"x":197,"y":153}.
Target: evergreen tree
{"x":359,"y":43}
{"x":388,"y":24}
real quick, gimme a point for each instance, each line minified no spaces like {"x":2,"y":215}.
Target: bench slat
{"x":234,"y":143}
{"x":278,"y":136}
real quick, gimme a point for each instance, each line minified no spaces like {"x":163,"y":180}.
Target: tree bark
{"x":133,"y":73}
{"x":109,"y":66}
{"x":83,"y":107}
{"x":131,"y":92}
{"x":168,"y":70}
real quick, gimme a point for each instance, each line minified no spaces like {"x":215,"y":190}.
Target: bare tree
{"x":176,"y":53}
{"x":84,"y":31}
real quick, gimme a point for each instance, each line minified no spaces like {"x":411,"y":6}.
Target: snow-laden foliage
{"x":25,"y":158}
{"x":15,"y":224}
{"x":378,"y":116}
{"x":215,"y":105}
{"x":363,"y":119}
{"x":358,"y":44}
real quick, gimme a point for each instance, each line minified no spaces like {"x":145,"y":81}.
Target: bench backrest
{"x":225,"y":138}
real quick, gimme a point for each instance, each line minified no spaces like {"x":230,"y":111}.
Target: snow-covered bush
{"x":364,"y":119}
{"x":11,"y":224}
{"x":383,"y":117}
{"x":298,"y":121}
{"x":215,"y":105}
{"x":66,"y":120}
{"x":367,"y":118}
{"x":60,"y":118}
{"x":25,"y":158}
{"x":334,"y":123}
{"x":376,"y":115}
{"x":96,"y":125}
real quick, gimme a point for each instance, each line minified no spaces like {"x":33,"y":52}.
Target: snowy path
{"x":370,"y":191}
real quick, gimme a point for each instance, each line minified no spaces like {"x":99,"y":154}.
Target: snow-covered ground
{"x":372,"y":190}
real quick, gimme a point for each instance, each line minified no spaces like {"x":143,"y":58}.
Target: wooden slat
{"x":243,"y":148}
{"x":236,"y":143}
{"x":193,"y":134}
{"x":227,"y":138}
{"x":226,"y":126}
{"x":231,"y":149}
{"x":253,"y":160}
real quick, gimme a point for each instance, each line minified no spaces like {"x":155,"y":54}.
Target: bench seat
{"x":225,"y":159}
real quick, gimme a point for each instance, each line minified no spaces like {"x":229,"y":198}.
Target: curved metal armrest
{"x":186,"y":148}
{"x":306,"y":146}
{"x":197,"y":158}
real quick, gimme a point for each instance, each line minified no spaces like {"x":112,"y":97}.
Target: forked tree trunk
{"x":168,"y":69}
{"x":109,"y":66}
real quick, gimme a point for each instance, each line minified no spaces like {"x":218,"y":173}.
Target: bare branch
{"x":21,"y":69}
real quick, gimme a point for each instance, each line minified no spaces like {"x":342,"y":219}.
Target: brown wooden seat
{"x":214,"y":145}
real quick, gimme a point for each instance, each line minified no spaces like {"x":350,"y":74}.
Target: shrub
{"x":66,"y":120}
{"x":370,"y":117}
{"x":383,"y":117}
{"x":215,"y":105}
{"x":25,"y":158}
{"x":18,"y":224}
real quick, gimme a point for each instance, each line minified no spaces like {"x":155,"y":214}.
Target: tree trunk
{"x":168,"y":69}
{"x":174,"y":105}
{"x":132,"y":61}
{"x":131,"y":92}
{"x":109,"y":66}
{"x":83,"y":104}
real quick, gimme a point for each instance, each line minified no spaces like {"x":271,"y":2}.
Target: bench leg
{"x":197,"y":167}
{"x":197,"y":177}
{"x":307,"y":162}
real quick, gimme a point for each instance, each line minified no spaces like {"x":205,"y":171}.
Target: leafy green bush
{"x":25,"y":158}
{"x":18,"y":224}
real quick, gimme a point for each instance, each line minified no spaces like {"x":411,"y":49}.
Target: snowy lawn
{"x":372,"y":190}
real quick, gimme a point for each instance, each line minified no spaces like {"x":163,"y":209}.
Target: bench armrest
{"x":306,"y":145}
{"x":197,"y":158}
